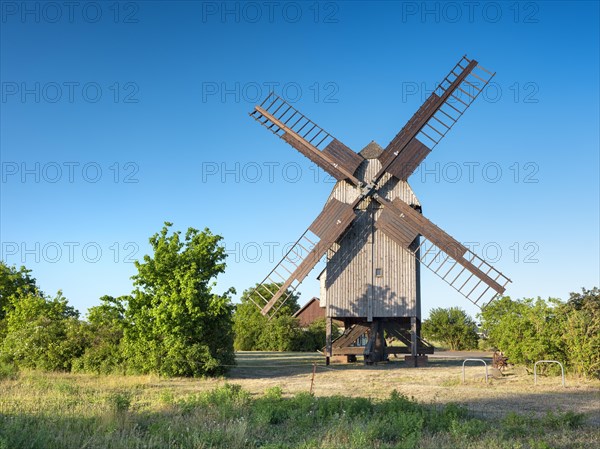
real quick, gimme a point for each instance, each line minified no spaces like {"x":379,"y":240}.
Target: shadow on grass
{"x":262,"y":364}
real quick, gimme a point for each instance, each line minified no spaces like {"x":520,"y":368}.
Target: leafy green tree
{"x":251,"y":327}
{"x":106,"y":325}
{"x":529,"y":330}
{"x":281,"y":333}
{"x":587,"y":298}
{"x":14,"y":282}
{"x":580,"y":326}
{"x":42,"y":333}
{"x":175,"y":324}
{"x":526,"y":330}
{"x":452,"y":327}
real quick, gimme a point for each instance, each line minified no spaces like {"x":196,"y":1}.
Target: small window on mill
{"x":378,"y":272}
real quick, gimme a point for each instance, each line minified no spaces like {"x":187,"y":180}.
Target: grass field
{"x":264,"y":402}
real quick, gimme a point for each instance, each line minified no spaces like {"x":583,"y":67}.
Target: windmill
{"x":371,"y":229}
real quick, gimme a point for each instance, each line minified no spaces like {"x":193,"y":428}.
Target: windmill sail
{"x":286,"y":122}
{"x":463,"y":270}
{"x":302,"y":257}
{"x":434,"y":119}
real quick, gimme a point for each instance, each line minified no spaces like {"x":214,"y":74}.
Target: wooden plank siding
{"x":349,"y":284}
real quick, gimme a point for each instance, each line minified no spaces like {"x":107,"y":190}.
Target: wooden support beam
{"x":328,"y":341}
{"x":413,"y":334}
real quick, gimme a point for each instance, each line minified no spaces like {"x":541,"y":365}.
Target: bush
{"x":281,"y":333}
{"x":43,"y":333}
{"x":14,"y":283}
{"x":8,"y":371}
{"x":452,"y":327}
{"x":581,"y":331}
{"x":529,"y":330}
{"x":313,"y":338}
{"x":106,"y":324}
{"x":525,"y":330}
{"x":255,"y":332}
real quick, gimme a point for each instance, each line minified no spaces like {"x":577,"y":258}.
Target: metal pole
{"x":562,"y":370}
{"x":475,"y":360}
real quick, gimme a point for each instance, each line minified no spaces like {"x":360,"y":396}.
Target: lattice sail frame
{"x":430,"y":124}
{"x":447,"y":115}
{"x":289,"y":124}
{"x":403,"y":224}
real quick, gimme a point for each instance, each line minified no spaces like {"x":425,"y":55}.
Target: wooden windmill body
{"x":371,"y":229}
{"x":370,"y":283}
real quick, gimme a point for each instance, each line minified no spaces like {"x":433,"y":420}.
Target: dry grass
{"x":80,"y":397}
{"x":439,"y":383}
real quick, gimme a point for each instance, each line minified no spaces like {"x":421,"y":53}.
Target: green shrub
{"x":227,"y":401}
{"x":175,"y":324}
{"x":119,"y":402}
{"x":529,"y":330}
{"x":442,"y":421}
{"x":270,"y":411}
{"x":8,"y":370}
{"x":401,"y":429}
{"x":42,"y":333}
{"x":274,"y":392}
{"x":463,"y":430}
{"x":566,"y":420}
{"x":255,"y":332}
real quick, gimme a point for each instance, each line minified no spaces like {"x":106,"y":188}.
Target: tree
{"x":14,"y":282}
{"x":580,"y":325}
{"x":106,"y":325}
{"x":451,"y":326}
{"x":255,"y":332}
{"x":587,"y":298}
{"x":42,"y":333}
{"x":526,"y":330}
{"x":175,"y":324}
{"x":281,"y":333}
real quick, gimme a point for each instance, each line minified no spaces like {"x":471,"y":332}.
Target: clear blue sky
{"x":159,"y":93}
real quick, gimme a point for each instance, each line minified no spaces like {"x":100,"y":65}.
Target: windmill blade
{"x":293,"y":268}
{"x":470,"y":275}
{"x":286,"y":122}
{"x":434,"y":119}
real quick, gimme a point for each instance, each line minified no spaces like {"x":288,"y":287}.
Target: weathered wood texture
{"x":412,"y":125}
{"x":343,"y":155}
{"x":411,"y":222}
{"x":367,"y":273}
{"x":333,"y":214}
{"x":409,"y":159}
